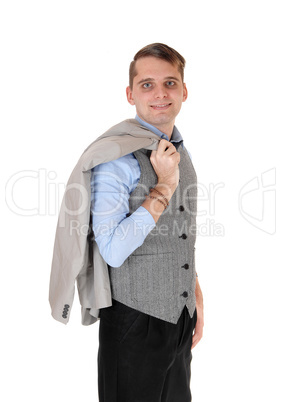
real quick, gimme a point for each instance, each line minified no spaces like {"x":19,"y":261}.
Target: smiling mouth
{"x":161,"y":107}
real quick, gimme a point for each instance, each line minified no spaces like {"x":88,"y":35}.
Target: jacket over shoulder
{"x":76,"y":256}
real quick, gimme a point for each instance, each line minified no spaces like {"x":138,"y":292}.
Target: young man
{"x":143,"y":216}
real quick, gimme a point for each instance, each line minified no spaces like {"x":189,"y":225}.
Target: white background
{"x":64,"y":69}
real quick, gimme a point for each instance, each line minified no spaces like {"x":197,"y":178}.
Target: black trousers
{"x":142,"y":358}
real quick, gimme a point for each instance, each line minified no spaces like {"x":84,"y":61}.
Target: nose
{"x":160,"y":92}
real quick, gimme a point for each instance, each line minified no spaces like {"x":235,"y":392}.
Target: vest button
{"x":184,"y":294}
{"x":181,"y":208}
{"x":185,"y":266}
{"x":183,"y":236}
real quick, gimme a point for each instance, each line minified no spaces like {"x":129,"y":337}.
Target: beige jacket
{"x":74,"y":257}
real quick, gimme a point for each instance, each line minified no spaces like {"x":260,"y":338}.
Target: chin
{"x":163,"y":120}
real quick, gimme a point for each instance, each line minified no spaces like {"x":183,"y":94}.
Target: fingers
{"x":167,"y":147}
{"x":198,"y":334}
{"x":165,"y":162}
{"x":195,"y":340}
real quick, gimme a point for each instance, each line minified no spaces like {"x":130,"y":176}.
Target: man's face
{"x":157,"y":93}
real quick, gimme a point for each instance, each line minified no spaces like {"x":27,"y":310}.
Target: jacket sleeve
{"x":70,"y":244}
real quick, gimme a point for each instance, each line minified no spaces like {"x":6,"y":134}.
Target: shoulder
{"x":125,"y":169}
{"x":120,"y":164}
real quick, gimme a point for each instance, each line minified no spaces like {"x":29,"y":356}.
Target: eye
{"x":170,"y":83}
{"x":147,"y":85}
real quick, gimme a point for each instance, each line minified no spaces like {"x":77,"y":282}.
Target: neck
{"x":168,"y":130}
{"x":162,"y":128}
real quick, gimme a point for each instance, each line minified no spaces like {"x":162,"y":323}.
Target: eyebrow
{"x":152,"y":79}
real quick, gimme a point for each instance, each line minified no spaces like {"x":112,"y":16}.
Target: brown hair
{"x":161,"y":51}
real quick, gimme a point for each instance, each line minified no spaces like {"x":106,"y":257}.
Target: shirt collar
{"x":176,"y":138}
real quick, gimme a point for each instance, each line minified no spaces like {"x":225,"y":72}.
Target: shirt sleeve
{"x":117,"y":234}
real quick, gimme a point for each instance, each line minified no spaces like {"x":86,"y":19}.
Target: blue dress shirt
{"x":118,"y":235}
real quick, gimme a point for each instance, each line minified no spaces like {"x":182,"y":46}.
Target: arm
{"x":198,"y":332}
{"x":116,"y":234}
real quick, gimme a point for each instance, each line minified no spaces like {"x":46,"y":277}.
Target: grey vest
{"x":159,"y":277}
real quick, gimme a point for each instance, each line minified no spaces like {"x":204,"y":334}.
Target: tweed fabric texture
{"x":159,"y":277}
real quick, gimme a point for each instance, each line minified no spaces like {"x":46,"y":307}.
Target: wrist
{"x":166,"y":188}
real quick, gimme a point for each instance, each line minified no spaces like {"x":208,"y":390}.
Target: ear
{"x":185,"y":93}
{"x":129,"y":94}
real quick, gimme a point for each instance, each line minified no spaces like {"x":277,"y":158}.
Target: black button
{"x":181,"y":208}
{"x":185,"y":266}
{"x":65,"y":310}
{"x":183,"y":236}
{"x":64,"y":316}
{"x":185,"y":294}
{"x":66,"y":306}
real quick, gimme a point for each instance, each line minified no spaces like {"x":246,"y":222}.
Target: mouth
{"x":162,"y":106}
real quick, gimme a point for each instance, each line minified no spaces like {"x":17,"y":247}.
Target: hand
{"x":165,"y":162}
{"x":198,"y":331}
